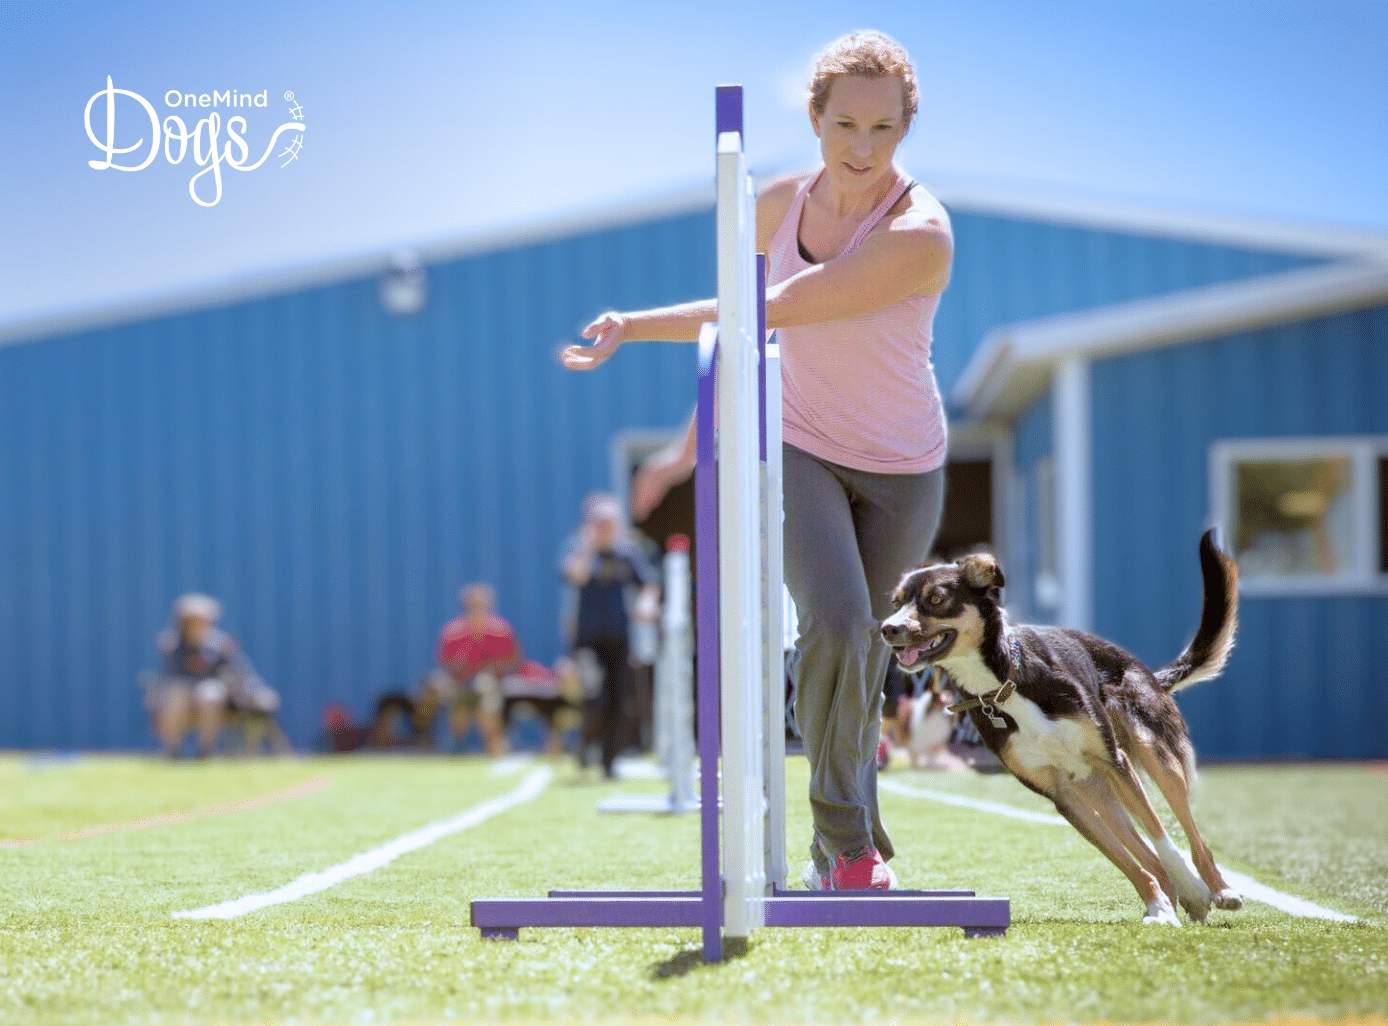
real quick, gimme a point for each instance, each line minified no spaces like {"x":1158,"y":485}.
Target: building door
{"x":967,"y":522}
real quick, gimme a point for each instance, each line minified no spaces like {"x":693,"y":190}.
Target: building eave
{"x":1332,"y":241}
{"x":1013,"y":364}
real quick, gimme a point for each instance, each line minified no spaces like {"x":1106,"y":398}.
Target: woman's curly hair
{"x":869,"y":53}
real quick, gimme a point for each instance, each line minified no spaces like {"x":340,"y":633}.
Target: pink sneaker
{"x":862,"y":870}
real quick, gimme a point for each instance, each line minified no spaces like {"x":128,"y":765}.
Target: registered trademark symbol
{"x":289,"y":94}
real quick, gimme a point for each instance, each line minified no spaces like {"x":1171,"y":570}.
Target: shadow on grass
{"x":686,"y":962}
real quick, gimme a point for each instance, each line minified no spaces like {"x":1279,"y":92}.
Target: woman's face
{"x":862,"y":125}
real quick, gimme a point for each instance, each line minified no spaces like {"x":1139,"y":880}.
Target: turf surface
{"x":87,"y":933}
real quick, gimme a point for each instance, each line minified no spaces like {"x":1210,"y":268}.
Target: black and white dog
{"x":1073,"y":716}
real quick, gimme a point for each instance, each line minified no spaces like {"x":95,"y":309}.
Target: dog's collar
{"x":990,"y":701}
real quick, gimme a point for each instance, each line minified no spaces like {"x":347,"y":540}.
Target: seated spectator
{"x":476,"y":652}
{"x":203,"y":679}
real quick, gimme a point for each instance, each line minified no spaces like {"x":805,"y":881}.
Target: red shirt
{"x":464,"y":651}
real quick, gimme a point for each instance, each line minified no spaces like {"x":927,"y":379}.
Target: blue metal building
{"x":333,"y":470}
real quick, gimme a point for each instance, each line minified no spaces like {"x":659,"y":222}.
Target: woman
{"x":859,"y":256}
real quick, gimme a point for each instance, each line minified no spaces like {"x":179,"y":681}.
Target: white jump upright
{"x":740,"y":519}
{"x":772,"y":627}
{"x":675,"y":680}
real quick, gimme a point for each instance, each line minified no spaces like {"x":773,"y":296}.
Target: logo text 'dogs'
{"x":210,"y":151}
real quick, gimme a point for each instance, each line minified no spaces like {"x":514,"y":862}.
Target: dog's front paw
{"x":1228,"y":899}
{"x":1159,"y":911}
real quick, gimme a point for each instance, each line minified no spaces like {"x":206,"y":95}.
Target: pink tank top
{"x":859,"y":392}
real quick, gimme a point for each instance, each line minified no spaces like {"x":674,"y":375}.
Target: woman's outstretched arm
{"x":911,"y":257}
{"x":664,"y":324}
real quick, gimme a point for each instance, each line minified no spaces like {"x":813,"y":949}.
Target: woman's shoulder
{"x":783,"y":188}
{"x":774,"y":201}
{"x":919,"y":208}
{"x":919,"y":216}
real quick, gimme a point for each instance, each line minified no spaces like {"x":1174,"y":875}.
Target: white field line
{"x":1246,"y":885}
{"x":969,"y":803}
{"x":1251,"y":888}
{"x":312,"y":883}
{"x":511,"y":763}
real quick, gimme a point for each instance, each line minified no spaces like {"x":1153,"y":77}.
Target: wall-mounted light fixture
{"x":404,"y":285}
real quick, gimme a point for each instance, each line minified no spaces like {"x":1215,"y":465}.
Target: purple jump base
{"x":504,"y":917}
{"x":778,"y":894}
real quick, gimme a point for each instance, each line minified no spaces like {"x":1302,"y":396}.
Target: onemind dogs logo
{"x":208,"y":152}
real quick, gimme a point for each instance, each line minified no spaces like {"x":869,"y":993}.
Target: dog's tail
{"x":1207,"y":653}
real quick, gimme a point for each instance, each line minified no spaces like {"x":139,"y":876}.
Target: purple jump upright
{"x":741,"y":710}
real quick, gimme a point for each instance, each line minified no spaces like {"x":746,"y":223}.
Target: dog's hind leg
{"x":1169,"y":771}
{"x":1102,"y":799}
{"x":1072,"y":804}
{"x":1193,"y":893}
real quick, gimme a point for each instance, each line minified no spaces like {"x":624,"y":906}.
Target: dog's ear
{"x":982,"y":571}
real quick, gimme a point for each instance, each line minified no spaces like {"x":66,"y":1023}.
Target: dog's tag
{"x":996,"y":721}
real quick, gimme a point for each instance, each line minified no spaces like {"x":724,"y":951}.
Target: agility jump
{"x":740,"y":689}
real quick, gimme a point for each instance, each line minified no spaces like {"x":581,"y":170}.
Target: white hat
{"x":204,"y":607}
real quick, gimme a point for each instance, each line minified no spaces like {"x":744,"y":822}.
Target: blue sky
{"x":431,"y":121}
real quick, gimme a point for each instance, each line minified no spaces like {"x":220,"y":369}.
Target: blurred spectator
{"x":615,"y":583}
{"x":476,"y":652}
{"x":203,"y":680}
{"x":554,"y":695}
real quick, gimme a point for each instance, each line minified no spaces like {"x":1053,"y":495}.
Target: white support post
{"x":772,"y":629}
{"x":675,"y":686}
{"x":1071,"y":412}
{"x":739,"y":531}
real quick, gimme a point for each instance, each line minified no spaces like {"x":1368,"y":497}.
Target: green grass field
{"x":87,"y":933}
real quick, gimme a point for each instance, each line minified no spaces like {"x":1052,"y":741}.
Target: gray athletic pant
{"x":849,"y":536}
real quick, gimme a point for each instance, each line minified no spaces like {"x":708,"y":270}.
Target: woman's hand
{"x":607,"y":332}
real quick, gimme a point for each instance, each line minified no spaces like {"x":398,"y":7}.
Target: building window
{"x":1304,"y":515}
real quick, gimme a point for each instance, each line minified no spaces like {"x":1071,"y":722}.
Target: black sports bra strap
{"x":911,"y":183}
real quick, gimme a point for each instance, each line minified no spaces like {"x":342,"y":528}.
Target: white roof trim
{"x":1003,"y":373}
{"x":1309,"y":239}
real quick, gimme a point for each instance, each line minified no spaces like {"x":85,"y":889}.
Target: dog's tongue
{"x":910,"y":655}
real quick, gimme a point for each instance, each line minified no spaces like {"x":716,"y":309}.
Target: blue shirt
{"x":604,"y":601}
